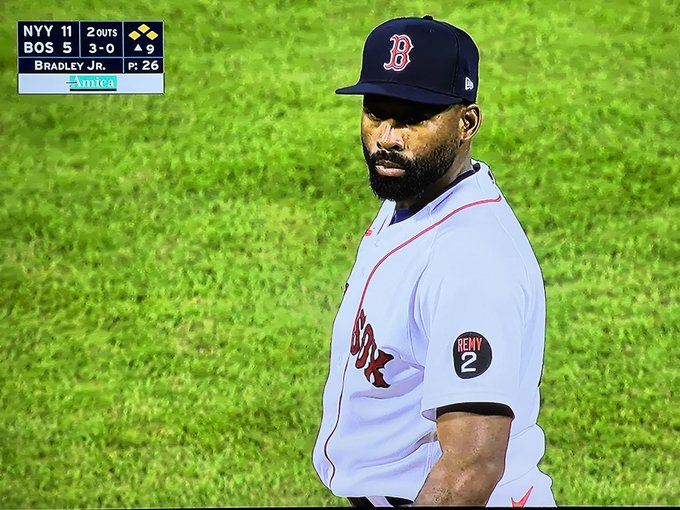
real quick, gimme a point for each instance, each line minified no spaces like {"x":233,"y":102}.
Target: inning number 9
{"x":149,"y":49}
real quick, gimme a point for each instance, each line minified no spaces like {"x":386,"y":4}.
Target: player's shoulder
{"x":485,"y":235}
{"x":478,"y":212}
{"x":485,"y":243}
{"x":465,"y":257}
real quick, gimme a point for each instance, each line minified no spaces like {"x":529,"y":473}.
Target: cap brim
{"x":400,"y":91}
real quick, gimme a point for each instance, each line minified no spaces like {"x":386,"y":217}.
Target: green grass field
{"x":170,"y":266}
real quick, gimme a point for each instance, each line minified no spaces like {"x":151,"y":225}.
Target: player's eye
{"x":371,"y":115}
{"x":412,"y":121}
{"x":414,"y":118}
{"x":406,"y":118}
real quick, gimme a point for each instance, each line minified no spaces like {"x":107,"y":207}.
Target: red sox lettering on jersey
{"x":365,"y":349}
{"x":399,"y":54}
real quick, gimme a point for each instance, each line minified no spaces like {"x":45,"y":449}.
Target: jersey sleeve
{"x":470,"y":310}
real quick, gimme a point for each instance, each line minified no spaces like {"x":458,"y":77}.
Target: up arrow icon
{"x":138,"y":48}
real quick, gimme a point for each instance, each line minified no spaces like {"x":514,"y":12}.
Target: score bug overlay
{"x":90,"y":57}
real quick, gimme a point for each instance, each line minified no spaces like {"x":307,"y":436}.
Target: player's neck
{"x":460,"y":165}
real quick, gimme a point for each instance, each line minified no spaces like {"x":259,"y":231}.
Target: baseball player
{"x":437,"y":349}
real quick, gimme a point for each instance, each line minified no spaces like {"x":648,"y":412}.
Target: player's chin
{"x":389,"y":188}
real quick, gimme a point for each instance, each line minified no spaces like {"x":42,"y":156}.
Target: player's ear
{"x":471,"y":117}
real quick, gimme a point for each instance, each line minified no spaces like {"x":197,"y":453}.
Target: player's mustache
{"x":392,"y":157}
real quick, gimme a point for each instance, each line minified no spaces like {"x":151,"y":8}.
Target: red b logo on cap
{"x":401,"y":47}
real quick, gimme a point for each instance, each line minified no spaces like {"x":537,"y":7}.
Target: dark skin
{"x":473,"y":438}
{"x":472,"y":462}
{"x":414,"y":129}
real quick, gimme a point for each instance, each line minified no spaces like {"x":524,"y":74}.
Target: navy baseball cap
{"x":419,"y":59}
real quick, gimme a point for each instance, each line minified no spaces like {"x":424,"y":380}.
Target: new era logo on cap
{"x":419,"y":59}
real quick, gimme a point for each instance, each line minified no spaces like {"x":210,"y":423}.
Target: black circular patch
{"x":471,"y":355}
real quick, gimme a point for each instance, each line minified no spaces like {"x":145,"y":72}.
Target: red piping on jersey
{"x":363,"y":295}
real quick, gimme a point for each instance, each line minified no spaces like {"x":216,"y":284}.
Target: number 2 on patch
{"x":468,"y":358}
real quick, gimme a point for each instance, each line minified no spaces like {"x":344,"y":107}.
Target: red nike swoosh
{"x":522,"y":501}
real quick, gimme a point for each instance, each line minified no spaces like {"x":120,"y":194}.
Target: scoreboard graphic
{"x":90,"y":57}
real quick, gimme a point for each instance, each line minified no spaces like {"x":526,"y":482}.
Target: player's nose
{"x":389,"y":138}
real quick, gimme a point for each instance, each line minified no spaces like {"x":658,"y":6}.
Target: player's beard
{"x":419,"y":172}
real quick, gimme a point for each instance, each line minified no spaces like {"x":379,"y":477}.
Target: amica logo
{"x":89,"y":83}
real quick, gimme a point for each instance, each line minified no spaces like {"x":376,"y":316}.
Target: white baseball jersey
{"x":445,"y":307}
